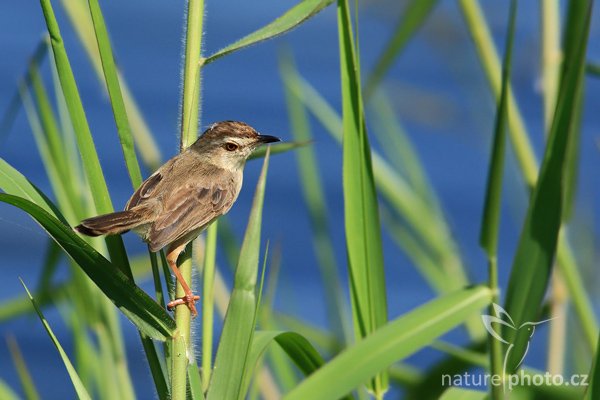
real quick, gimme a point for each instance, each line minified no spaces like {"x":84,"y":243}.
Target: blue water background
{"x":439,"y":93}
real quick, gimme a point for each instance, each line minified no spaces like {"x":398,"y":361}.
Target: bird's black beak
{"x":264,"y":139}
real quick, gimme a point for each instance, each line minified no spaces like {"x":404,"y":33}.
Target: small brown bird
{"x":176,"y":203}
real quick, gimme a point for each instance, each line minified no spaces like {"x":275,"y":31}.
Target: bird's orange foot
{"x":189,"y":300}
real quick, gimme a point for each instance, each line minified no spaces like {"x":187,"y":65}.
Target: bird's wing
{"x":155,"y":184}
{"x":190,"y":208}
{"x":146,"y":190}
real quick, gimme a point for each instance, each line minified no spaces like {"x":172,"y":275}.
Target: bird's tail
{"x":112,"y":224}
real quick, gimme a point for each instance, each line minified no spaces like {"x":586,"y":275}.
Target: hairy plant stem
{"x":182,"y":353}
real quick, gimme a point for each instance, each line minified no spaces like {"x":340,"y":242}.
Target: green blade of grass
{"x":430,"y":386}
{"x":43,"y":147}
{"x":312,"y":190}
{"x":429,"y":226}
{"x":279,"y":148}
{"x":77,"y":384}
{"x":52,"y":258}
{"x":107,"y":372}
{"x":571,"y":44}
{"x":158,"y":289}
{"x":208,"y":302}
{"x":413,"y":17}
{"x":488,"y":236}
{"x":19,"y":306}
{"x":399,"y":150}
{"x":488,"y":56}
{"x":550,"y":61}
{"x":157,"y":368}
{"x":296,"y":15}
{"x":31,"y":393}
{"x":322,"y":340}
{"x":78,"y":119}
{"x":361,"y":211}
{"x":264,"y":382}
{"x":50,"y":146}
{"x":48,"y":120}
{"x":65,"y":188}
{"x":70,"y":151}
{"x":426,"y":237}
{"x":236,"y":338}
{"x":298,"y":349}
{"x":425,"y":262}
{"x":456,"y":393}
{"x":228,"y":241}
{"x":490,"y":225}
{"x":145,"y":313}
{"x":404,"y":375}
{"x":577,"y":290}
{"x":14,"y":105}
{"x":526,"y":159}
{"x":126,"y":139}
{"x":116,"y":97}
{"x":394,"y":341}
{"x":593,"y":69}
{"x":467,"y":355}
{"x":195,"y":383}
{"x":249,"y":368}
{"x":14,"y":183}
{"x":537,"y":244}
{"x":81,"y":21}
{"x":276,"y":360}
{"x":593,"y":391}
{"x":6,"y":392}
{"x":91,"y":164}
{"x":424,"y":217}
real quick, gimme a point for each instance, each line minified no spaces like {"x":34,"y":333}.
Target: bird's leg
{"x":189,"y":299}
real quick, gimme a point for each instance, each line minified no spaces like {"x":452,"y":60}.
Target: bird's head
{"x":228,"y":144}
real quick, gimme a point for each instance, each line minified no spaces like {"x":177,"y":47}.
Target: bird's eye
{"x":231,"y":146}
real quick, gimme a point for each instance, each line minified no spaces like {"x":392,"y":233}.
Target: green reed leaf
{"x":149,"y":317}
{"x":81,"y":21}
{"x":488,"y":238}
{"x":208,"y":302}
{"x":239,"y":323}
{"x":490,"y":225}
{"x":361,"y":211}
{"x":314,"y":197}
{"x":289,"y":20}
{"x":85,"y":143}
{"x":392,"y":342}
{"x":593,"y":391}
{"x":195,"y":383}
{"x":82,"y":392}
{"x":31,"y":392}
{"x":116,"y":97}
{"x":76,"y":111}
{"x":14,"y":183}
{"x":534,"y":258}
{"x":297,"y":348}
{"x":411,"y":20}
{"x":457,"y":393}
{"x":488,"y":56}
{"x":279,"y":148}
{"x":6,"y":392}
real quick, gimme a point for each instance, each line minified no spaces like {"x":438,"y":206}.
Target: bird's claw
{"x":189,"y":300}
